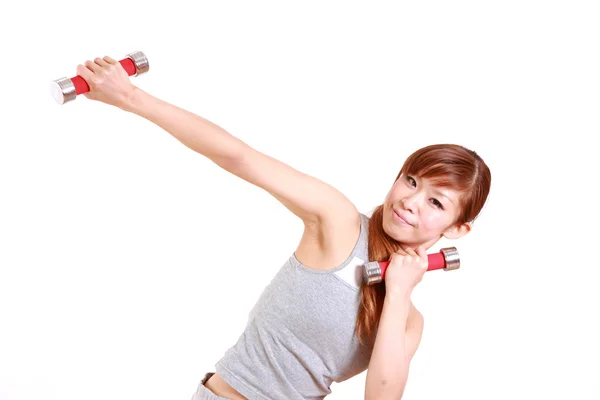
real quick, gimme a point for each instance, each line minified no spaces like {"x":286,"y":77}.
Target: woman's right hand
{"x":406,"y":269}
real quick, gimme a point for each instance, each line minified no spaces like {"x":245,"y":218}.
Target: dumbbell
{"x":446,"y":259}
{"x":65,"y":89}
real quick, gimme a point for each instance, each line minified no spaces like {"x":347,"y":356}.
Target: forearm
{"x":388,"y":368}
{"x":197,"y":133}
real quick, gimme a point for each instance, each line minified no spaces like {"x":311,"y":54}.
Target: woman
{"x":316,"y":322}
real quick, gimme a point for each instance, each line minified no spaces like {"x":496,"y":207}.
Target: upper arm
{"x":414,"y":332}
{"x":412,"y":338}
{"x":309,"y":198}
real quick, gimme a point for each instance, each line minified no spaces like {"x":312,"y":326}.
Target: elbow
{"x":383,"y":396}
{"x":232,"y":160}
{"x":386,"y":391}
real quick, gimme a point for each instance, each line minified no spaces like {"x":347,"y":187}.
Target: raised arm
{"x":307,"y":197}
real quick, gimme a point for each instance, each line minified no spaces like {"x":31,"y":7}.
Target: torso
{"x":321,"y":247}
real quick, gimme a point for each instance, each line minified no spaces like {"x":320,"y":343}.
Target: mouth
{"x":400,"y":219}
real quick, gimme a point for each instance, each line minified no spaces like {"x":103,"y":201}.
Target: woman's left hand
{"x":108,"y":81}
{"x":406,"y":269}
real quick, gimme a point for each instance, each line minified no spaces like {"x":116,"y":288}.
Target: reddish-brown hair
{"x":445,"y":165}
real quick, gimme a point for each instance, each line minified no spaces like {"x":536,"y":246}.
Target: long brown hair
{"x":446,"y":165}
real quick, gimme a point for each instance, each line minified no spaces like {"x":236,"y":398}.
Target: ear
{"x":457,"y":231}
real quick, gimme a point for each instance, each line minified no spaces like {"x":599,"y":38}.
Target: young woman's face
{"x":416,"y":212}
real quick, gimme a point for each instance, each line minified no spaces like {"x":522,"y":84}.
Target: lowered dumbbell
{"x":447,"y":259}
{"x":65,"y":89}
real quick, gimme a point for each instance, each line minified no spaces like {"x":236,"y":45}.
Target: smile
{"x":400,"y":219}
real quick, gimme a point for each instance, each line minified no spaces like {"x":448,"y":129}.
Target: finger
{"x":101,"y":62}
{"x":422,"y":253}
{"x":406,"y":247}
{"x":410,"y":251}
{"x":92,"y":66}
{"x":400,"y":251}
{"x":84,"y":72}
{"x":110,"y":60}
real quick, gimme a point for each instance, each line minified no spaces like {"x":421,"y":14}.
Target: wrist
{"x":133,"y":101}
{"x":397,"y":294}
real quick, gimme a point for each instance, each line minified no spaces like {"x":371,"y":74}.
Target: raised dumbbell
{"x":447,"y":259}
{"x":65,"y":89}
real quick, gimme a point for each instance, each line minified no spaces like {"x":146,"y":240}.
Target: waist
{"x":218,"y":386}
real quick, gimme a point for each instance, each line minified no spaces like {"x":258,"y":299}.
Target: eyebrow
{"x":435,"y":190}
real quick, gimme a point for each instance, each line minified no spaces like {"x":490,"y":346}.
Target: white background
{"x":129,"y":263}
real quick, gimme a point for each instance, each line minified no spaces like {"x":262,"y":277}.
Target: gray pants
{"x":202,"y":393}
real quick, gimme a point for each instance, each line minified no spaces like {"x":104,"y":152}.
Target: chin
{"x":388,"y":228}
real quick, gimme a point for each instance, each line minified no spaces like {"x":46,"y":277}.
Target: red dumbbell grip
{"x":436,"y":261}
{"x":81,"y":85}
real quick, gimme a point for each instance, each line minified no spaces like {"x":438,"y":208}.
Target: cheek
{"x":435,"y":223}
{"x":396,"y":189}
{"x":431,"y":222}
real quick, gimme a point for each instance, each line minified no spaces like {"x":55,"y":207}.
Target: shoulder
{"x":329,"y":241}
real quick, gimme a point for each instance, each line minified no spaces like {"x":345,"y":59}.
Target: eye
{"x":435,"y":201}
{"x":438,"y":204}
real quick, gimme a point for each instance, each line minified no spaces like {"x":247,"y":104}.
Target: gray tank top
{"x":300,"y":337}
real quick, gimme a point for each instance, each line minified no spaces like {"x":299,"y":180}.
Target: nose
{"x":412,"y":203}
